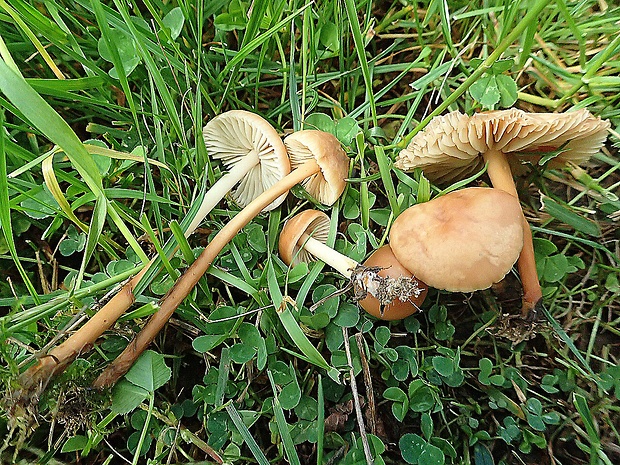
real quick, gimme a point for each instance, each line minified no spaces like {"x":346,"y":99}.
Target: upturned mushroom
{"x":456,"y":145}
{"x":382,"y":286}
{"x":464,"y":241}
{"x":254,"y":153}
{"x":317,"y":158}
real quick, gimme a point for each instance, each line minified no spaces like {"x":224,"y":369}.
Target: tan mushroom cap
{"x":461,"y":242}
{"x":235,"y":134}
{"x":450,"y":145}
{"x":312,"y":222}
{"x":327,"y":185}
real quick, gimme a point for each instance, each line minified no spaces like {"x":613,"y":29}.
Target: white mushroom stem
{"x":500,"y":174}
{"x":341,"y":263}
{"x":223,"y":185}
{"x":190,"y":278}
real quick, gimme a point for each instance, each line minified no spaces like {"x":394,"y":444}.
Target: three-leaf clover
{"x":494,"y":88}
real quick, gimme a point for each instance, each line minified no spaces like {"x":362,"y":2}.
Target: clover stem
{"x":190,"y":278}
{"x":500,"y":174}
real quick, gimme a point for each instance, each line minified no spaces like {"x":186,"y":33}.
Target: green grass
{"x":246,"y":370}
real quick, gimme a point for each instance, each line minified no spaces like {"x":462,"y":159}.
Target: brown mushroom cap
{"x":461,"y":242}
{"x":450,"y":145}
{"x":391,"y":268}
{"x":235,"y":134}
{"x":312,"y":222}
{"x":329,"y":183}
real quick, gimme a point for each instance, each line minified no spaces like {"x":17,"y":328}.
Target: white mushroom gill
{"x":242,"y":138}
{"x":317,"y":231}
{"x":448,"y":148}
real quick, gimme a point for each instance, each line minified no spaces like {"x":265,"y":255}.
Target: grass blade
{"x":386,"y":177}
{"x":50,"y":124}
{"x":33,"y":38}
{"x":360,"y":48}
{"x":246,"y":435}
{"x":301,"y":340}
{"x":285,"y":433}
{"x":320,"y":421}
{"x":94,"y":233}
{"x":5,"y":216}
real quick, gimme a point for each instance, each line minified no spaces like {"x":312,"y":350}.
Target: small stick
{"x":370,"y":394}
{"x":356,"y":401}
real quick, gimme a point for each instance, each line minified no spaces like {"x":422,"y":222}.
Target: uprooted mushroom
{"x":318,"y":161}
{"x":382,"y":286}
{"x":254,"y":153}
{"x":456,"y":145}
{"x":463,"y":241}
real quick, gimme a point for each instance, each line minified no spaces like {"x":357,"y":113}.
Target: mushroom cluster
{"x":257,"y":159}
{"x":317,"y":160}
{"x":464,"y":241}
{"x":456,"y":145}
{"x":382,"y":286}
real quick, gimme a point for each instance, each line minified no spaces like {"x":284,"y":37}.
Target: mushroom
{"x":456,"y":145}
{"x":460,"y":242}
{"x":382,"y":286}
{"x":254,"y":153}
{"x":318,"y":159}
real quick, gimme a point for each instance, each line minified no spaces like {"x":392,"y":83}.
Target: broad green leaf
{"x":485,"y":91}
{"x":207,"y":342}
{"x":566,"y":216}
{"x":174,"y":20}
{"x":507,"y":88}
{"x":348,"y":315}
{"x":126,"y":50}
{"x":40,"y":203}
{"x":126,"y":396}
{"x":411,"y":447}
{"x":443,"y":365}
{"x":74,"y":443}
{"x":242,"y":353}
{"x":320,"y":121}
{"x":482,"y":456}
{"x":431,"y":455}
{"x":149,"y":372}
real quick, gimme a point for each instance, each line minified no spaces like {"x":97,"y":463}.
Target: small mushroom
{"x":254,"y":154}
{"x":382,"y":286}
{"x":461,"y":242}
{"x":456,"y":145}
{"x":311,"y":146}
{"x":324,"y":162}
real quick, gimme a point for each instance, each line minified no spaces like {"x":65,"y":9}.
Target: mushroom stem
{"x":223,"y":185}
{"x":341,"y":263}
{"x":35,"y":379}
{"x":500,"y":174}
{"x":190,"y":278}
{"x":62,"y":355}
